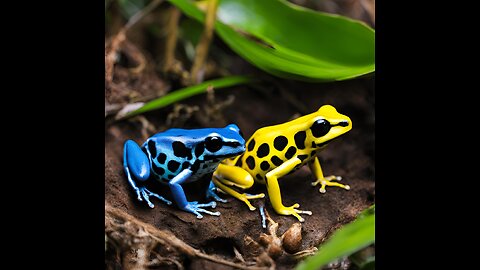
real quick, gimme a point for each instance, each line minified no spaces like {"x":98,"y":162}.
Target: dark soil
{"x":351,"y":157}
{"x":270,"y":102}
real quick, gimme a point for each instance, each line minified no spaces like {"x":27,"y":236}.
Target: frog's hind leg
{"x":226,"y":177}
{"x":137,"y":168}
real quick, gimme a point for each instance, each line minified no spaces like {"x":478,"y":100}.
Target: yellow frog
{"x":275,"y":151}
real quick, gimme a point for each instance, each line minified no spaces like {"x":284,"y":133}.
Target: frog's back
{"x":263,"y":153}
{"x":169,"y":154}
{"x":269,"y":147}
{"x":176,"y":149}
{"x":189,"y":137}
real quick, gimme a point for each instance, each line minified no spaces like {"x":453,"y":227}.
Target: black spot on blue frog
{"x":178,"y":156}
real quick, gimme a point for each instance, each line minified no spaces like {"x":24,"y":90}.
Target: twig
{"x":172,"y":35}
{"x":159,"y":260}
{"x":120,"y":37}
{"x":167,"y":238}
{"x":238,"y":255}
{"x":201,"y":51}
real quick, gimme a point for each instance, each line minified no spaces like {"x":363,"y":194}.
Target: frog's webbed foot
{"x":211,"y":193}
{"x":292,"y":210}
{"x":328,"y":181}
{"x":143,"y":194}
{"x":196,"y":208}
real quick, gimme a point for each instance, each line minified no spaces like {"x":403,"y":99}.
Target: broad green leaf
{"x":184,"y":93}
{"x":290,"y":41}
{"x":350,"y":238}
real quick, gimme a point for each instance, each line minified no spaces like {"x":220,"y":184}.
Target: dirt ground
{"x":271,"y":101}
{"x":352,"y":157}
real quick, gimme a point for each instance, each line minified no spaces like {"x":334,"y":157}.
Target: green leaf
{"x":184,"y":93}
{"x":368,"y":211}
{"x":350,"y":238}
{"x":290,"y":41}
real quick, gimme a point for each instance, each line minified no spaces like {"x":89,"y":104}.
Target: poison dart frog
{"x":275,"y":151}
{"x":178,"y":156}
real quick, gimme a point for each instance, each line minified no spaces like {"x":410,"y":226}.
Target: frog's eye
{"x":213,"y":144}
{"x":320,"y":128}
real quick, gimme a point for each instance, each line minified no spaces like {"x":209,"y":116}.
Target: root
{"x":128,"y":232}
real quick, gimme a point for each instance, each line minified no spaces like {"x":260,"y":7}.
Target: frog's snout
{"x":241,"y":148}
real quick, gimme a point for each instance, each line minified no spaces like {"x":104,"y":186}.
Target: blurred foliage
{"x":290,"y":41}
{"x":130,"y":7}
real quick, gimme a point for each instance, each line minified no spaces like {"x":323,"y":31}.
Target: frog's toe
{"x":211,"y":194}
{"x":254,"y":196}
{"x":292,"y":210}
{"x":264,"y":218}
{"x":145,"y":193}
{"x":216,"y":213}
{"x":303,"y":212}
{"x":218,"y":199}
{"x":333,"y":178}
{"x":211,"y":204}
{"x":139,"y":194}
{"x":195,"y":208}
{"x":245,"y":197}
{"x":145,"y":196}
{"x":328,"y":181}
{"x":161,"y":198}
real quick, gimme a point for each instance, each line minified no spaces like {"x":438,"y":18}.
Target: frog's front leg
{"x":227,"y":176}
{"x":324,"y":181}
{"x":181,"y":199}
{"x":137,"y":168}
{"x":274,"y":189}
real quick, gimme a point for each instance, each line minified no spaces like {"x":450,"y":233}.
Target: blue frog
{"x":178,"y":156}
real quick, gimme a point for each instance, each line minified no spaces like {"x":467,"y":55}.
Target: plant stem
{"x":172,"y":35}
{"x":201,"y":51}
